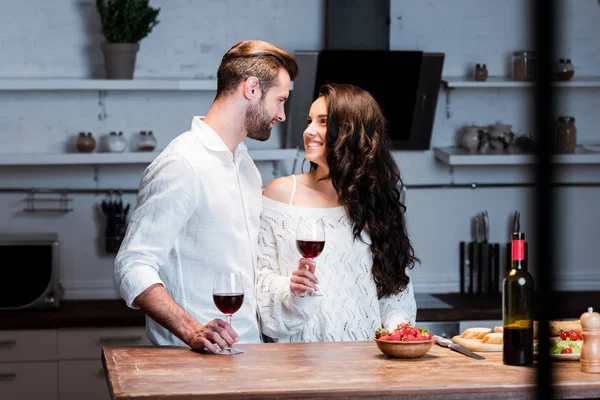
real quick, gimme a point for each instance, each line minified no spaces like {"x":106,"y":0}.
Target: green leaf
{"x":126,"y":21}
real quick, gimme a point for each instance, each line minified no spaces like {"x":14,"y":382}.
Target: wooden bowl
{"x":404,"y":349}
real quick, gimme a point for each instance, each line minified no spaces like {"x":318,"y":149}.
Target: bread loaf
{"x":493,"y":338}
{"x":475,"y":333}
{"x":498,"y":329}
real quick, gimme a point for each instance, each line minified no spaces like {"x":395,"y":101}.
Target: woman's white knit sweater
{"x":349,"y":308}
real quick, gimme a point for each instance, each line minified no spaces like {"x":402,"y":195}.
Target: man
{"x":198,"y":208}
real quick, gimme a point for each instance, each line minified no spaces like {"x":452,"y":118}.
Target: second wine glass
{"x":310,"y":241}
{"x":228,"y":295}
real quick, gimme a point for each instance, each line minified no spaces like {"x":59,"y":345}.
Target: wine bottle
{"x":517,"y":307}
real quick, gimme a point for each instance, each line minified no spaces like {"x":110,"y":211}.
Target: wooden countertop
{"x":326,"y":370}
{"x":114,"y":313}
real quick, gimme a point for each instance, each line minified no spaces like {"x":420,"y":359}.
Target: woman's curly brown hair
{"x":366,"y":178}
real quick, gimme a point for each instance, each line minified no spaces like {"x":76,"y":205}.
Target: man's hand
{"x":303,"y":278}
{"x":214,"y":336}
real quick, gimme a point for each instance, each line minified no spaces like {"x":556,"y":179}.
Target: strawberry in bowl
{"x":405,"y":341}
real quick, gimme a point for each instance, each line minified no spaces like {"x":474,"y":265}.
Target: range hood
{"x":406,"y":84}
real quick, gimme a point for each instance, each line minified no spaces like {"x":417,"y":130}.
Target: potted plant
{"x":124,"y":24}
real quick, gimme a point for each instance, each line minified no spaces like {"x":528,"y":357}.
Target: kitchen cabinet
{"x":82,"y":380}
{"x":86,"y":344}
{"x":80,"y":372}
{"x":29,"y":380}
{"x":28,"y":364}
{"x":62,"y":364}
{"x":30,"y":345}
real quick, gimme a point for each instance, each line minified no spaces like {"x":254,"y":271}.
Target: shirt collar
{"x":209,"y":138}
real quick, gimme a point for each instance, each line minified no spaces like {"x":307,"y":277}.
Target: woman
{"x":363,"y":271}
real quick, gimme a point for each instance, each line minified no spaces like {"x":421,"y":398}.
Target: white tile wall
{"x":62,"y":40}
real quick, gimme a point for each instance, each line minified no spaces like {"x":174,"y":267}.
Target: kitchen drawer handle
{"x":117,"y":339}
{"x":7,"y":343}
{"x":7,"y":376}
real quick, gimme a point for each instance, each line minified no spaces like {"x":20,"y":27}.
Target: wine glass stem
{"x":229,"y":322}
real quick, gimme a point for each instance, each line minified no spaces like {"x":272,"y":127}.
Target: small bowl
{"x":404,"y":349}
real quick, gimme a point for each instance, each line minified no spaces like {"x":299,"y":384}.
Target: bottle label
{"x":518,"y":250}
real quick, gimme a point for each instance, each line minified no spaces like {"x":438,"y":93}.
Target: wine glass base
{"x":230,"y":351}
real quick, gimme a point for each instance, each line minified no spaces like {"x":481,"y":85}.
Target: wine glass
{"x":228,"y":295}
{"x":310,"y":241}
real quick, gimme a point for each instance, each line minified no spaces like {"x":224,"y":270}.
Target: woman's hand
{"x":303,"y":278}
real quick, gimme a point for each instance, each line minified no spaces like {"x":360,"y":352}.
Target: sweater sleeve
{"x":399,"y":308}
{"x":282,"y":314}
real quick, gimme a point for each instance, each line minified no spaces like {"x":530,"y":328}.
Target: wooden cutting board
{"x":476,"y":345}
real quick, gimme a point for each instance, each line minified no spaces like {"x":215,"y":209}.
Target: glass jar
{"x":523,"y":65}
{"x":565,"y":70}
{"x":481,"y":72}
{"x":116,"y":143}
{"x":146,"y":141}
{"x":566,"y":135}
{"x":85,"y":143}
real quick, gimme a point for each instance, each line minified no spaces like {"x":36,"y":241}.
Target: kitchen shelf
{"x":502,"y":82}
{"x":121,"y":158}
{"x":457,"y":156}
{"x":32,"y":84}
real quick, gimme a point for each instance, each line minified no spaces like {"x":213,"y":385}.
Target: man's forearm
{"x":156,"y":302}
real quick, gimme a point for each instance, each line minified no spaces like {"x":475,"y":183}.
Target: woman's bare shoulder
{"x":279,"y":189}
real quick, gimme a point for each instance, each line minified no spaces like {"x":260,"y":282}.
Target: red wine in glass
{"x":228,"y":295}
{"x":310,"y":248}
{"x":228,"y":303}
{"x":310,"y":241}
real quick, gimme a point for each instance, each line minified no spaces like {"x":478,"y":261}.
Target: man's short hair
{"x":253,"y":58}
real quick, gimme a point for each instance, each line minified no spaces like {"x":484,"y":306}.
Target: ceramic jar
{"x":565,"y":69}
{"x":116,"y":143}
{"x":85,"y":143}
{"x":481,"y":72}
{"x":500,"y":136}
{"x":472,"y":138}
{"x":523,"y":65}
{"x":146,"y":141}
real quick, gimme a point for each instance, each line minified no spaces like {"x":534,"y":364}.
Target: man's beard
{"x":257,"y":123}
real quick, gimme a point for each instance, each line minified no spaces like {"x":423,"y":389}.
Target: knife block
{"x":479,"y":268}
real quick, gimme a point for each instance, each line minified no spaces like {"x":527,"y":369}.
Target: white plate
{"x":565,"y":357}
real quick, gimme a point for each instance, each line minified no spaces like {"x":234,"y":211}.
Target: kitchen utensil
{"x":474,"y":256}
{"x":517,"y":222}
{"x":485,"y":270}
{"x":590,"y":350}
{"x":495,"y":263}
{"x":464,"y":267}
{"x":456,"y":347}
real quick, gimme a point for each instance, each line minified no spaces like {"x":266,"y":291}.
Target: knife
{"x":456,"y":347}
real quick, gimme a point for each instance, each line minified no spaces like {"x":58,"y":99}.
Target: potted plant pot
{"x":124,"y":24}
{"x":119,"y":59}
